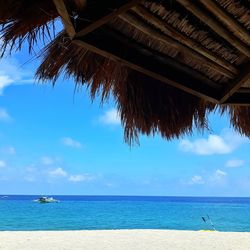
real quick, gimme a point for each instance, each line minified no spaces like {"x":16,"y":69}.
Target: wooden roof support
{"x":243,"y":90}
{"x":243,"y":78}
{"x":148,"y":62}
{"x":63,"y":12}
{"x":81,"y":4}
{"x":179,"y":41}
{"x":215,"y":25}
{"x":231,"y":23}
{"x":239,"y":99}
{"x":120,"y":7}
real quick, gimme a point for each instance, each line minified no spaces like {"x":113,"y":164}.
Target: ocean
{"x":18,"y":212}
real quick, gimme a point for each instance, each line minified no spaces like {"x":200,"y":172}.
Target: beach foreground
{"x":124,"y":239}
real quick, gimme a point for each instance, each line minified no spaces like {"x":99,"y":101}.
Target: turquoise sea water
{"x":124,"y":212}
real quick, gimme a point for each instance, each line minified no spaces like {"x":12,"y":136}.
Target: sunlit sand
{"x":125,"y":239}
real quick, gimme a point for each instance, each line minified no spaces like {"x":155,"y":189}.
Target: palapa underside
{"x":168,"y":63}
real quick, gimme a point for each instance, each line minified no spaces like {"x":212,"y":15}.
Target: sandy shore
{"x":124,"y":239}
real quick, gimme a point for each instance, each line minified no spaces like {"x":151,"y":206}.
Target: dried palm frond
{"x":146,"y":105}
{"x":25,"y":20}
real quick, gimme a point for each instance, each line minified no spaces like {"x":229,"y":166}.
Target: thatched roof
{"x":167,"y":63}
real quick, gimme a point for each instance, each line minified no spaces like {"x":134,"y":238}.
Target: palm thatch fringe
{"x":146,"y":106}
{"x":240,"y":118}
{"x":25,"y":20}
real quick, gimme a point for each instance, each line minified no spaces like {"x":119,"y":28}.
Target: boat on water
{"x":45,"y":199}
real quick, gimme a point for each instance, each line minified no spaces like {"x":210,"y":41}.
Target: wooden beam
{"x":243,"y":90}
{"x":238,"y":99}
{"x":215,"y":25}
{"x":80,"y":4}
{"x":122,"y":7}
{"x":225,"y":18}
{"x":63,"y":12}
{"x":170,"y":42}
{"x":243,"y":78}
{"x":148,"y":62}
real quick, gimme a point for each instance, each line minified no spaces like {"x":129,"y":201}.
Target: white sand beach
{"x":124,"y":239}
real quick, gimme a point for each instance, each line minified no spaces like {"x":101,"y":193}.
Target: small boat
{"x":4,"y":197}
{"x":45,"y":199}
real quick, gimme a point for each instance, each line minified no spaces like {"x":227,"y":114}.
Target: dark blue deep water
{"x":124,"y":212}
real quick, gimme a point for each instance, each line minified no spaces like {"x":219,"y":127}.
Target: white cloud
{"x":4,"y":116}
{"x":67,"y":141}
{"x":214,"y":144}
{"x":197,"y":179}
{"x":220,"y":173}
{"x":110,"y":184}
{"x":61,"y":173}
{"x":47,"y":160}
{"x":4,"y":81}
{"x":29,"y":178}
{"x":31,"y":168}
{"x":58,"y":172}
{"x":81,"y":178}
{"x":9,"y":150}
{"x":110,"y":117}
{"x":218,"y":177}
{"x":12,"y":73}
{"x":2,"y":164}
{"x":234,"y":163}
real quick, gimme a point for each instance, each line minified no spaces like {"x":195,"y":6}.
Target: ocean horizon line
{"x":123,"y":195}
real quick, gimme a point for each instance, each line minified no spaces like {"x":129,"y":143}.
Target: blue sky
{"x":56,"y":141}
